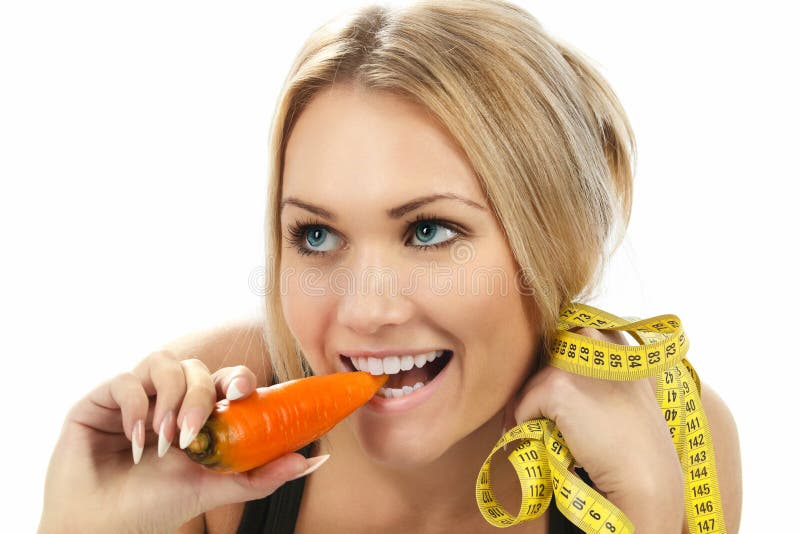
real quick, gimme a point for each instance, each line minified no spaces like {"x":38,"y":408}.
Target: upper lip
{"x":383,"y":353}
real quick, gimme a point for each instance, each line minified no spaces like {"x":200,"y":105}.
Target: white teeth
{"x":375,"y":366}
{"x":391,"y":365}
{"x":435,"y":354}
{"x":396,"y":393}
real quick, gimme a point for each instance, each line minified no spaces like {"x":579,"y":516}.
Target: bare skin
{"x":394,"y":470}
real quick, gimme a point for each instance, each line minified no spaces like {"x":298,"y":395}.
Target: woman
{"x":445,"y":178}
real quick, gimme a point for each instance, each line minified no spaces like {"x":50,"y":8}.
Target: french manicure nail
{"x":187,"y":433}
{"x":315,"y":464}
{"x":163,"y":443}
{"x":233,"y":391}
{"x":137,"y":441}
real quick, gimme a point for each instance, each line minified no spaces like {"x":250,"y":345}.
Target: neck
{"x":437,"y":496}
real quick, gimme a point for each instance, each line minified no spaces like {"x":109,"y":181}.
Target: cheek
{"x":491,"y":315}
{"x":304,"y":308}
{"x":490,"y":286}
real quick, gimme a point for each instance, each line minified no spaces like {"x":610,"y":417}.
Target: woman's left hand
{"x":617,"y":433}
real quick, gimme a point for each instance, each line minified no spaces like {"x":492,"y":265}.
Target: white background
{"x":133,"y":143}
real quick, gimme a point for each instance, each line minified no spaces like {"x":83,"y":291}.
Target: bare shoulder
{"x":236,"y":342}
{"x":725,"y":437}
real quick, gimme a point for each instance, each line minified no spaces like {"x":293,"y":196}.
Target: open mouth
{"x":407,"y":374}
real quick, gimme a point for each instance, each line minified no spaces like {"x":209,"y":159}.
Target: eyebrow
{"x":394,"y":213}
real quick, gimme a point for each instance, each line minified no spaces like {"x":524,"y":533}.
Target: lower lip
{"x":383,"y":405}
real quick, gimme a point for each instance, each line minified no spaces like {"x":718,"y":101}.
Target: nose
{"x":373,"y":299}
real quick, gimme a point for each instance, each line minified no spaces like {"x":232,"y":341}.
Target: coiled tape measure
{"x":542,"y":460}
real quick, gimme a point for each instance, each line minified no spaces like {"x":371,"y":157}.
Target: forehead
{"x":351,"y":147}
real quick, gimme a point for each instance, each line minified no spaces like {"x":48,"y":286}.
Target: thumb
{"x":257,"y":483}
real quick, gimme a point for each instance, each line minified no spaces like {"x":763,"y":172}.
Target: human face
{"x":357,"y":154}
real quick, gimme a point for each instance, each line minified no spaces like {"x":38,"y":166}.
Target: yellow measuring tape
{"x":542,"y":460}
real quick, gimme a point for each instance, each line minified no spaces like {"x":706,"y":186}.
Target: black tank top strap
{"x":559,"y":524}
{"x":277,"y":512}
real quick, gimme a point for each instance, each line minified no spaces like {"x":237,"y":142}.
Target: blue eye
{"x":427,"y":232}
{"x":313,"y":236}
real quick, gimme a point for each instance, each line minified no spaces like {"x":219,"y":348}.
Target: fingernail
{"x":163,"y":442}
{"x":503,"y":433}
{"x":314,"y":465}
{"x":137,"y":441}
{"x":233,"y":391}
{"x":187,"y":433}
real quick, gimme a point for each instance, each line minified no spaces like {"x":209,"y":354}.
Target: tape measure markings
{"x":542,"y":460}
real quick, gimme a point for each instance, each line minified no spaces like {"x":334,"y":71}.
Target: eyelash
{"x":297,"y":233}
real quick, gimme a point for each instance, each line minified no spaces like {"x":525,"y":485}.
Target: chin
{"x":401,"y":447}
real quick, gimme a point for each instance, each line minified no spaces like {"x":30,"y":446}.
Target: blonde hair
{"x":545,"y":134}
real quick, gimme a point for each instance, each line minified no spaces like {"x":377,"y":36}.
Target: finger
{"x":540,"y":397}
{"x":261,"y":481}
{"x":89,"y":413}
{"x":123,"y":395}
{"x":161,"y":375}
{"x":199,"y":401}
{"x":613,"y":336}
{"x":234,"y":382}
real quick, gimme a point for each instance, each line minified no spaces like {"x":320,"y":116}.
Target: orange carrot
{"x":272,"y":421}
